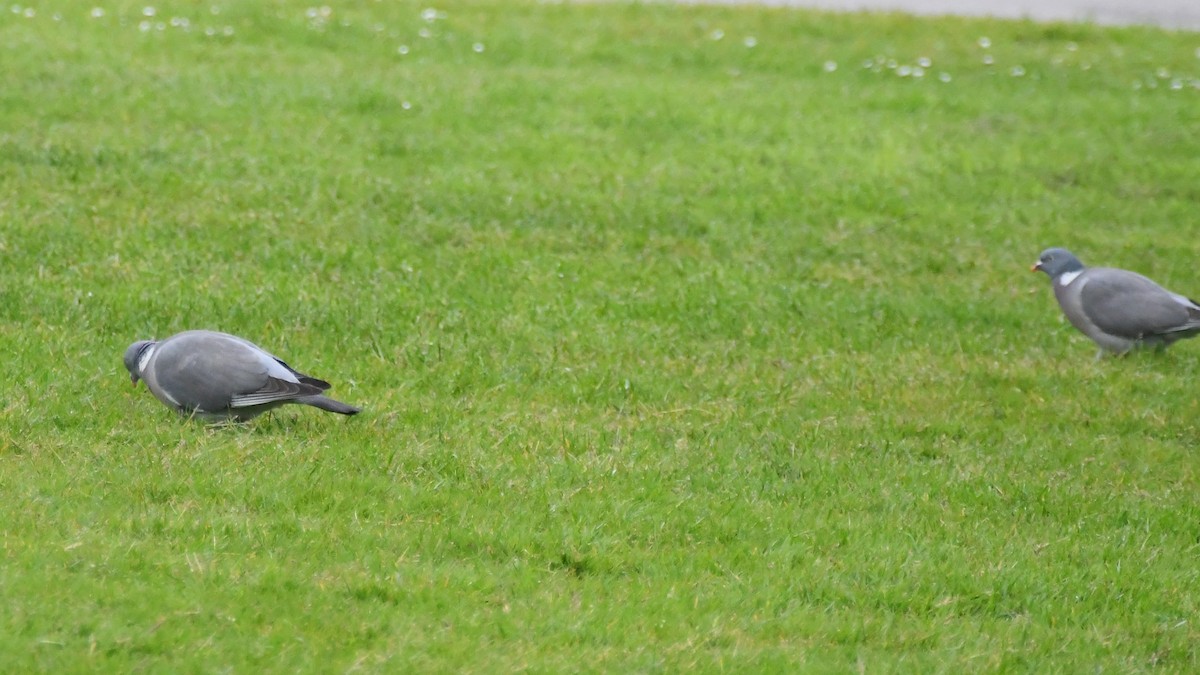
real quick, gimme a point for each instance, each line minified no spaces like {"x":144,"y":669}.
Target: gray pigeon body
{"x":217,"y":376}
{"x":1118,"y":309}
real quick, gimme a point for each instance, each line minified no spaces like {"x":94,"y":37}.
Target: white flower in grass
{"x":984,"y":42}
{"x":149,"y":11}
{"x":477,"y":47}
{"x":944,"y":77}
{"x":97,"y":12}
{"x":750,"y":41}
{"x":830,"y":66}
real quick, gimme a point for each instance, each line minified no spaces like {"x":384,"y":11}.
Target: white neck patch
{"x":146,"y":357}
{"x":1066,"y":278}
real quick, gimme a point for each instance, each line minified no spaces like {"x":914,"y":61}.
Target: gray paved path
{"x":1178,"y":14}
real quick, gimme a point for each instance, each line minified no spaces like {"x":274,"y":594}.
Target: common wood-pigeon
{"x":216,"y":376}
{"x":1118,"y":309}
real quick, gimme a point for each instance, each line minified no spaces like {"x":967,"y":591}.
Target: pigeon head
{"x":1056,"y":261}
{"x":133,"y":357}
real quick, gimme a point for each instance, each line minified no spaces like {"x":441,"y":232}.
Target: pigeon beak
{"x":1036,"y":266}
{"x":133,"y":379}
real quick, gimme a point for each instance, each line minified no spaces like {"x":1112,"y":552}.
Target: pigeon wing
{"x":299,"y":376}
{"x":211,"y":372}
{"x":275,"y":390}
{"x":278,"y":381}
{"x":1131,"y":306}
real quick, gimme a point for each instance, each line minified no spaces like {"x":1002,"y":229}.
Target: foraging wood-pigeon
{"x":1118,"y":309}
{"x":217,"y":376}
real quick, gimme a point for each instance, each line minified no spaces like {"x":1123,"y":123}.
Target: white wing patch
{"x":276,"y":369}
{"x":1186,"y":302}
{"x":1066,"y":278}
{"x":268,"y":361}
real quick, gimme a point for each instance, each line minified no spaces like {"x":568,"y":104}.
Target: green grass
{"x":676,"y":354}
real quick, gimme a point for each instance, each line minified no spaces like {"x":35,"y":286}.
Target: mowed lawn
{"x":688,"y":339}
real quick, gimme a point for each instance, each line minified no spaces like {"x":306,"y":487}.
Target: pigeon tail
{"x":326,"y":403}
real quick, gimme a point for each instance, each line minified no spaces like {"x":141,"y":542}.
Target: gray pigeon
{"x":1118,"y":309}
{"x":217,"y":376}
